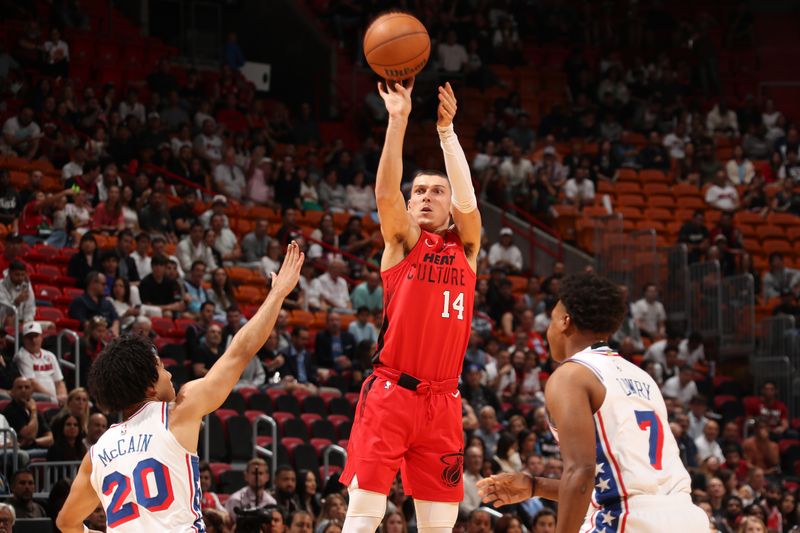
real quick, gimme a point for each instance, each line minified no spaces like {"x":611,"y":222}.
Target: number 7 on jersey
{"x":458,"y":305}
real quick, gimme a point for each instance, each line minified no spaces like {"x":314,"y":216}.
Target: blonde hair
{"x":751,"y":520}
{"x":82,"y":417}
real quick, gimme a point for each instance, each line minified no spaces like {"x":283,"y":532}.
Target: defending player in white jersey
{"x":621,"y":462}
{"x":144,"y":471}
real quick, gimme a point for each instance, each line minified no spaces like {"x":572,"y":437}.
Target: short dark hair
{"x":143,"y":236}
{"x":362,"y":309}
{"x":123,"y":371}
{"x":124,"y":233}
{"x":91,"y":277}
{"x":109,"y":254}
{"x":593,"y":302}
{"x":90,"y":166}
{"x":427,"y":172}
{"x":17,"y":265}
{"x":775,"y":255}
{"x":159,"y":260}
{"x":544,"y":512}
{"x":88,"y":236}
{"x":198,"y":262}
{"x":204,"y":304}
{"x":19,"y":472}
{"x":283,"y":468}
{"x":298,"y":330}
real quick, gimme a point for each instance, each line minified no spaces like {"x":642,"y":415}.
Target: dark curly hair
{"x":593,"y":302}
{"x":122,"y":372}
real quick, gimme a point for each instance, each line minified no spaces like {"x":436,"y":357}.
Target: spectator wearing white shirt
{"x":360,"y":195}
{"x":361,"y":328}
{"x":722,"y":194}
{"x":16,"y":290}
{"x":452,"y":55}
{"x":56,"y":54}
{"x":675,"y":141}
{"x":697,"y":416}
{"x":21,"y":134}
{"x":740,"y":169}
{"x":141,"y":256}
{"x":132,"y":106}
{"x":193,"y":248}
{"x":516,"y":169}
{"x":40,"y":366}
{"x":692,"y":350}
{"x":486,"y":158}
{"x":506,"y":254}
{"x":770,"y":115}
{"x":228,"y":177}
{"x":707,"y":445}
{"x":208,"y":145}
{"x":331,"y":289}
{"x":649,"y":313}
{"x":226,"y":242}
{"x":778,"y":279}
{"x":721,"y":119}
{"x":75,"y":165}
{"x":681,"y":387}
{"x":271,"y":262}
{"x":579,"y":190}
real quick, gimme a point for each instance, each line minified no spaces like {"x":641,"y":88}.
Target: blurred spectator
{"x":473,"y":461}
{"x":10,"y":202}
{"x":697,"y":416}
{"x":226,"y":242}
{"x":255,"y":244}
{"x":285,"y":490}
{"x":131,"y":106}
{"x":505,"y":254}
{"x":195,"y":293}
{"x":40,"y":366}
{"x":790,"y":170}
{"x":207,"y":144}
{"x":86,"y":259}
{"x":92,"y":303}
{"x":23,"y":486}
{"x":786,"y":199}
{"x":141,"y":256}
{"x":232,"y":55}
{"x":68,"y":435}
{"x":254,"y":494}
{"x":218,"y":206}
{"x":722,"y":194}
{"x":722,"y":119}
{"x":36,"y":223}
{"x":452,"y":55}
{"x":740,"y":170}
{"x":221,"y":293}
{"x":579,"y":190}
{"x":479,"y":521}
{"x":368,"y":293}
{"x":654,"y":155}
{"x":158,"y":290}
{"x":707,"y":445}
{"x":553,"y":171}
{"x":487,"y":423}
{"x":16,"y":291}
{"x":522,"y":134}
{"x":676,"y":140}
{"x":193,"y":248}
{"x":726,"y":228}
{"x":21,"y":134}
{"x":361,"y":329}
{"x":681,"y":387}
{"x":299,"y":363}
{"x":760,"y":451}
{"x":229,"y":178}
{"x":772,"y":410}
{"x":360,"y":195}
{"x":33,"y":432}
{"x":628,"y":338}
{"x":233,"y":323}
{"x":516,"y":169}
{"x":778,"y":279}
{"x":208,"y":352}
{"x":649,"y":313}
{"x":305,"y":129}
{"x":333,"y":347}
{"x":330,"y":289}
{"x":155,"y":217}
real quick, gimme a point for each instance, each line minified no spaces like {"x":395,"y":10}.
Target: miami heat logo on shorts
{"x":453,"y":467}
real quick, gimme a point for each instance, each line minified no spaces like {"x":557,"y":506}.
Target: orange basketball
{"x":397,"y":46}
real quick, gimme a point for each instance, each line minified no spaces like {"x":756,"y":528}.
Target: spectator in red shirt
{"x":36,"y":224}
{"x":230,"y":117}
{"x":108,"y":216}
{"x":771,"y":410}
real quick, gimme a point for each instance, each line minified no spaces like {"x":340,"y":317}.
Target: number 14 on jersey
{"x":458,"y":305}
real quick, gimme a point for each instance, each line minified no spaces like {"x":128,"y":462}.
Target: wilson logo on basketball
{"x":454,"y":466}
{"x":402,"y":73}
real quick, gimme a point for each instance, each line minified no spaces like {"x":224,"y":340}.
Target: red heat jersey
{"x":427,"y":309}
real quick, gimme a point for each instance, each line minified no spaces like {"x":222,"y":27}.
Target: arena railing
{"x":47,"y":473}
{"x":271,"y":454}
{"x":529,"y":233}
{"x":12,"y":451}
{"x":629,"y":259}
{"x":777,"y":337}
{"x":705,"y":302}
{"x":326,"y":458}
{"x":737,"y":316}
{"x":75,"y":366}
{"x":778,"y":370}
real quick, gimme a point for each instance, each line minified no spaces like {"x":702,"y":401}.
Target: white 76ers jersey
{"x":636,"y":451}
{"x":146,"y":481}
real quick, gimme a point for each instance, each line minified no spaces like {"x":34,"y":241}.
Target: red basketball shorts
{"x":417,"y":431}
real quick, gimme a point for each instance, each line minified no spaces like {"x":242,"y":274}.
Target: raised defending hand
{"x":285,"y":280}
{"x":447,"y":106}
{"x":397,"y":97}
{"x":505,"y":489}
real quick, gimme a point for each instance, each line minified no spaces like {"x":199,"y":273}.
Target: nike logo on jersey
{"x":455,"y":394}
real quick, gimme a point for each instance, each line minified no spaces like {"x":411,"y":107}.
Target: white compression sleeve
{"x":455,"y":162}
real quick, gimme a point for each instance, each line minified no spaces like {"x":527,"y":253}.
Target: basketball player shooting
{"x":409,"y":412}
{"x":621,"y":461}
{"x":144,"y":471}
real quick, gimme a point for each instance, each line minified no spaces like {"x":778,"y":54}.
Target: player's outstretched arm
{"x":568,"y":399}
{"x":514,"y":487}
{"x":82,"y":500}
{"x":465,"y":205}
{"x":200,"y":397}
{"x":397,"y":226}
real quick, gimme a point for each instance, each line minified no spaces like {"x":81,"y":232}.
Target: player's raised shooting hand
{"x":397,"y":97}
{"x":505,"y":489}
{"x":285,"y":280}
{"x":447,"y":106}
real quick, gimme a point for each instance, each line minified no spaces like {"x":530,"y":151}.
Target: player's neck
{"x":130,"y":411}
{"x":579,"y":341}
